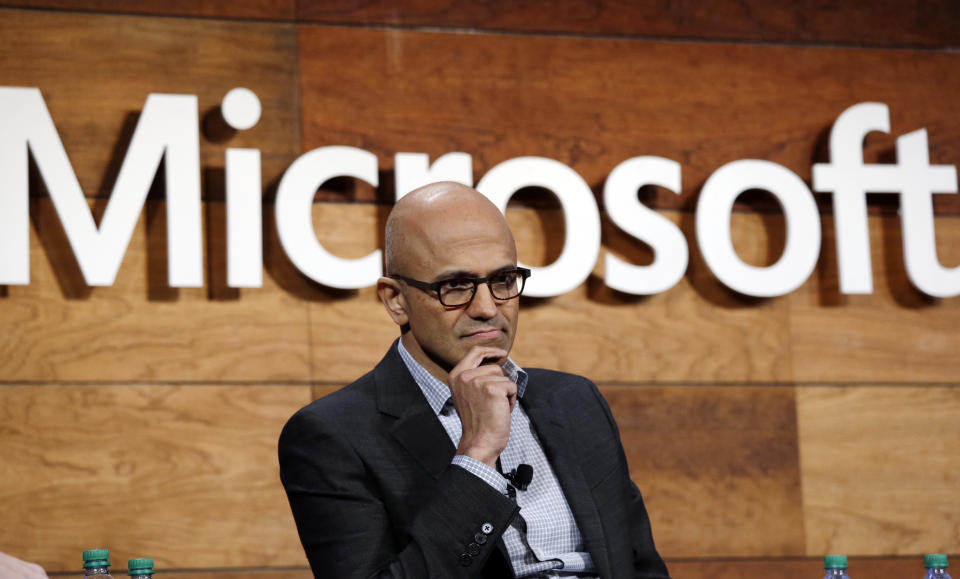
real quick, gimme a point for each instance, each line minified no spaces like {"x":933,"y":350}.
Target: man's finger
{"x":480,"y":372}
{"x":476,"y":356}
{"x":489,"y":378}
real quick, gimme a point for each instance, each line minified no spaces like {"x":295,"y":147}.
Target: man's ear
{"x":388,"y":289}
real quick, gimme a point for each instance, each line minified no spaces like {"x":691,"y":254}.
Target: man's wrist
{"x":486,"y":456}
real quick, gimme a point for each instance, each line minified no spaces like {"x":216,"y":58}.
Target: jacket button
{"x":480,"y":538}
{"x":465,"y":559}
{"x":487,"y":528}
{"x":473,"y":549}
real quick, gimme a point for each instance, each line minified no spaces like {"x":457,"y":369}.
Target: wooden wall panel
{"x":139,"y":329}
{"x":740,"y":417}
{"x":259,"y":9}
{"x":788,"y":568}
{"x":886,"y":23}
{"x":186,"y":474}
{"x":349,"y":330}
{"x":879,"y":468}
{"x":716,"y":466}
{"x":57,"y":328}
{"x":695,"y":332}
{"x":895,"y":334}
{"x":929,"y":23}
{"x":592,"y":103}
{"x":95,"y":72}
{"x":245,"y":574}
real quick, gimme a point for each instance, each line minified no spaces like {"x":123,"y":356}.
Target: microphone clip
{"x":521,"y":476}
{"x":515,"y":480}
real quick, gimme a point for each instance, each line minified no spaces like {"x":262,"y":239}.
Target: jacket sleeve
{"x":346,"y":530}
{"x":647,"y":563}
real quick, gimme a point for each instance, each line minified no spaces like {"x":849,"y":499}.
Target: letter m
{"x":168,"y":127}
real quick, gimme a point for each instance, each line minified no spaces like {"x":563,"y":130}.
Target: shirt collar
{"x":438,"y":394}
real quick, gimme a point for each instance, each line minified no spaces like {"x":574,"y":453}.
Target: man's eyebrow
{"x":454,"y":274}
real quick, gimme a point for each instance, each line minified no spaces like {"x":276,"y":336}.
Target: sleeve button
{"x":465,"y":559}
{"x":473,"y":549}
{"x":480,"y":538}
{"x":487,"y":528}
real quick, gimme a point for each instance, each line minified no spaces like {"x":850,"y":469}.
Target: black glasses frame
{"x":521,"y":272}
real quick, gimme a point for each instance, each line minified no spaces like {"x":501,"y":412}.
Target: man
{"x":414,"y":470}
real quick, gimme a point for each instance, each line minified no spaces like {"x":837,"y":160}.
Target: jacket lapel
{"x":415,"y":426}
{"x":549,"y":421}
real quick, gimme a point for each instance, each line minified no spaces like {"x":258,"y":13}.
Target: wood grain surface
{"x":789,"y":568}
{"x":592,"y":103}
{"x":879,"y":468}
{"x":267,"y":573}
{"x":58,"y":328}
{"x":186,"y":474}
{"x":764,"y":433}
{"x":896,"y":334}
{"x":254,"y":9}
{"x":296,"y":329}
{"x":95,"y":72}
{"x":885,"y":23}
{"x":926,"y":23}
{"x":697,"y":331}
{"x":714,"y":463}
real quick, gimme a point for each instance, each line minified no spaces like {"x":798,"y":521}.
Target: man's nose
{"x":483,"y":306}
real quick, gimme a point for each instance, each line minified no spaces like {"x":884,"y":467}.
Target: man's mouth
{"x":485,"y":333}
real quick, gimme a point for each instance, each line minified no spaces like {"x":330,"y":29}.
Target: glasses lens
{"x":506,"y":285}
{"x":456,"y":292}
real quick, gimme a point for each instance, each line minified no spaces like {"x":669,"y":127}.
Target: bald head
{"x":436,"y":218}
{"x":447,"y":233}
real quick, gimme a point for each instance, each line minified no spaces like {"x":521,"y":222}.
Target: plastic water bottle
{"x":836,"y":566}
{"x":140,"y":568}
{"x":936,"y":565}
{"x":96,"y":563}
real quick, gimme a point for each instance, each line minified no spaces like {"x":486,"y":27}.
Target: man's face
{"x":456,"y":249}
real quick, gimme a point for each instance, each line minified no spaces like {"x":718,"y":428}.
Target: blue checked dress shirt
{"x":543,"y":540}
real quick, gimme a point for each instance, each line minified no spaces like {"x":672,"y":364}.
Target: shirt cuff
{"x":485,"y":473}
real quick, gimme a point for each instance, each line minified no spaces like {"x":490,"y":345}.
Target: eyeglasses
{"x":459,"y":291}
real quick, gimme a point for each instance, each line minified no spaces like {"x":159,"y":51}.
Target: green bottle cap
{"x":835,"y":562}
{"x":96,"y":558}
{"x":935,"y":560}
{"x":140,"y":567}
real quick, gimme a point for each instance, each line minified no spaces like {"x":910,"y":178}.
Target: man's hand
{"x":13,"y":568}
{"x":484,"y":398}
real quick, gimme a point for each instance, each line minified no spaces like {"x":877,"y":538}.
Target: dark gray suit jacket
{"x":367,"y":471}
